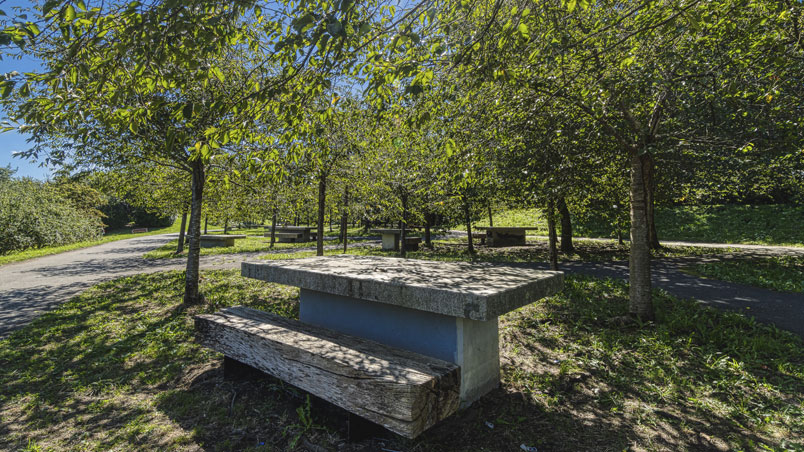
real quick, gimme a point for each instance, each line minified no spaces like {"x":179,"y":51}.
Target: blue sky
{"x":11,"y":141}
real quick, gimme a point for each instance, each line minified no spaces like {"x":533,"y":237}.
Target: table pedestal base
{"x":390,"y":242}
{"x":471,"y":344}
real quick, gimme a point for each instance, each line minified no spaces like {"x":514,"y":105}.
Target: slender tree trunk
{"x":180,"y":247}
{"x":491,"y":219}
{"x":468,"y":219}
{"x":330,"y":219}
{"x":650,"y":203}
{"x":566,"y":226}
{"x":404,"y":226}
{"x":639,"y":260}
{"x":191,"y":291}
{"x":296,"y":219}
{"x":551,"y":232}
{"x":322,"y":205}
{"x":226,"y":226}
{"x":345,"y":218}
{"x":273,"y":228}
{"x":620,"y":237}
{"x":428,"y":242}
{"x":206,"y":217}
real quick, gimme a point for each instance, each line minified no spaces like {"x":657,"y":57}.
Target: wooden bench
{"x":403,"y":391}
{"x":412,"y":243}
{"x":139,"y":230}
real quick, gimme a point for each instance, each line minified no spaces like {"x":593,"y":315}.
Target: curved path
{"x":29,"y":288}
{"x":32,"y":287}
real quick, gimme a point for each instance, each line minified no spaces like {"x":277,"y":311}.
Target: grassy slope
{"x":763,"y":225}
{"x":768,"y":225}
{"x":117,"y":368}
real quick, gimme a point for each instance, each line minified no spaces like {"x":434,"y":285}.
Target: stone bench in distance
{"x":219,"y":240}
{"x":403,"y":391}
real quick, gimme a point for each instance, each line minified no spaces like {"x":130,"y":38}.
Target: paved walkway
{"x":32,"y":287}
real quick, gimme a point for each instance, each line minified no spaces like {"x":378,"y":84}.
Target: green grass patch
{"x":782,"y":273}
{"x":111,"y":236}
{"x":761,"y":225}
{"x":117,"y":368}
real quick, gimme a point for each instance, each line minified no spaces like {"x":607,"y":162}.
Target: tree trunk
{"x":566,"y":226}
{"x":427,"y":234}
{"x":552,"y":236}
{"x":206,"y":217}
{"x":191,"y":293}
{"x":330,"y":219}
{"x":640,"y":305}
{"x":273,"y":228}
{"x":403,"y":249}
{"x":650,"y":188}
{"x":468,"y":219}
{"x":180,"y":247}
{"x":345,"y":218}
{"x":491,"y":219}
{"x":322,"y":205}
{"x":226,"y":226}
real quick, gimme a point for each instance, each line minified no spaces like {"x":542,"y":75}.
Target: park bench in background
{"x":287,"y":237}
{"x":506,"y":236}
{"x":443,"y":310}
{"x":215,"y":240}
{"x":304,"y":232}
{"x":412,"y":243}
{"x":481,"y":236}
{"x":139,"y":230}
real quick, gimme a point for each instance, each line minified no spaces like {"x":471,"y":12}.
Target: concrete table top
{"x":291,"y":228}
{"x":386,"y":231}
{"x":477,"y":291}
{"x":222,"y":236}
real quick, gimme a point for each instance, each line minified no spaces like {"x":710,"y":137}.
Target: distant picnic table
{"x":291,"y":234}
{"x":506,"y":236}
{"x":391,"y":239}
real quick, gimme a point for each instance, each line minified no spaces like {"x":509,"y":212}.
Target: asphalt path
{"x":29,"y":288}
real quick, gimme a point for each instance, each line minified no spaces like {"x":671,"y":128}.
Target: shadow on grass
{"x":117,"y":367}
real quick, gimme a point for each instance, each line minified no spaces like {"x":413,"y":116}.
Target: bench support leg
{"x":235,"y":370}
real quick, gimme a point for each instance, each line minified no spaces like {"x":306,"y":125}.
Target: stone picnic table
{"x":216,"y":240}
{"x":290,"y":234}
{"x":446,"y":310}
{"x":391,"y":237}
{"x":506,"y":236}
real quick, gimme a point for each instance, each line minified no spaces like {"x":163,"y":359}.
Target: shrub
{"x":34,"y":215}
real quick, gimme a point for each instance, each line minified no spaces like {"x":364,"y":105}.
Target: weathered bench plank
{"x":403,"y":391}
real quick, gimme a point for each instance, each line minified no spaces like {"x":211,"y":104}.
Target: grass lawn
{"x":761,"y":225}
{"x":117,"y":368}
{"x":782,"y":273}
{"x":110,"y":236}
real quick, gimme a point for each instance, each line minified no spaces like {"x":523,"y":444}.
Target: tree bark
{"x":191,"y":291}
{"x":566,"y":226}
{"x":404,"y":226}
{"x":322,"y":206}
{"x":468,"y":219}
{"x":330,"y":219}
{"x":650,"y":189}
{"x":206,"y":217}
{"x":491,"y":219}
{"x":552,"y":236}
{"x":428,"y":218}
{"x":226,"y":226}
{"x":640,"y":305}
{"x":345,"y":218}
{"x":180,"y":247}
{"x":273,"y":228}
